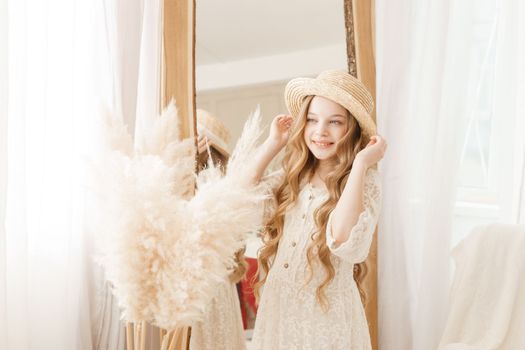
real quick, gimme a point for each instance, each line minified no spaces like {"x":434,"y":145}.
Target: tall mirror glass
{"x":246,"y":52}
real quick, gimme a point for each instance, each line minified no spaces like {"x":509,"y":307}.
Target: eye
{"x":336,"y":122}
{"x":310,"y":120}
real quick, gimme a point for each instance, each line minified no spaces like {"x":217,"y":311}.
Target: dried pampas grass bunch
{"x":162,"y":249}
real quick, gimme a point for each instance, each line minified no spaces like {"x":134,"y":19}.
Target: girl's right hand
{"x":280,"y":129}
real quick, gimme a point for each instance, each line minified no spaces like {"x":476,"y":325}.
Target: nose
{"x":321,"y":128}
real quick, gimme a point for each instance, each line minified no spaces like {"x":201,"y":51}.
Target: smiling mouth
{"x":322,"y":144}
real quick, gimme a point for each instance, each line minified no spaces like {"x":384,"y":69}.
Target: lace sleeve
{"x":355,"y":249}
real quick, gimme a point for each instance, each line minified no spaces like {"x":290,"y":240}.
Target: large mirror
{"x":247,"y":51}
{"x":245,"y":54}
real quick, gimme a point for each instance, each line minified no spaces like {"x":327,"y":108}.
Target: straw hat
{"x":211,"y":127}
{"x":338,"y":86}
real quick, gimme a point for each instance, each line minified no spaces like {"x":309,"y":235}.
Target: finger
{"x":285,"y":118}
{"x":381,"y":140}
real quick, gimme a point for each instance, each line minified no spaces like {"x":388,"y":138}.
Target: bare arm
{"x":351,"y":204}
{"x":279,"y":132}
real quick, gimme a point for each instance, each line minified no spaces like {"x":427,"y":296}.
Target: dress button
{"x":294,"y":244}
{"x":304,"y":216}
{"x":286,"y":265}
{"x":310,"y":197}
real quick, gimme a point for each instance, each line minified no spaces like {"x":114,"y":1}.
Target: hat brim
{"x":213,"y":140}
{"x":220,"y":149}
{"x":298,"y":89}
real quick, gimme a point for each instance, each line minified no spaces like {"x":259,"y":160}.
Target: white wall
{"x":234,"y":105}
{"x":232,"y":90}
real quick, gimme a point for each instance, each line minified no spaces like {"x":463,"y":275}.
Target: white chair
{"x":487,"y":304}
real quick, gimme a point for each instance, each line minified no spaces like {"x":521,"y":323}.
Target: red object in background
{"x":246,"y":292}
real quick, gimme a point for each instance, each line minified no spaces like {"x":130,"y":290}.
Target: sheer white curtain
{"x":3,"y":165}
{"x":520,"y":111}
{"x":118,"y":30}
{"x":51,"y":84}
{"x":509,"y":108}
{"x":60,"y":62}
{"x":133,"y":36}
{"x":427,"y":89}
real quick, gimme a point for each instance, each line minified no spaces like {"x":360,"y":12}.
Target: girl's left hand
{"x":373,"y":152}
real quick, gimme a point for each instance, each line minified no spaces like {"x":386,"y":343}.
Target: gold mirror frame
{"x":178,"y":82}
{"x":360,"y":32}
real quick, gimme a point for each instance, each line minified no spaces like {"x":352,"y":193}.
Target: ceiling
{"x":233,"y":30}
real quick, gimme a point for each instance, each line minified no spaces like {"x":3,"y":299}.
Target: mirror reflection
{"x":245,"y":55}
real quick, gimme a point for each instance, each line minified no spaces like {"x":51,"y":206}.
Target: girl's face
{"x":326,"y":124}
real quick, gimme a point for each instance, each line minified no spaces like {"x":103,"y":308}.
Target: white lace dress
{"x":289,"y":316}
{"x":222,"y":327}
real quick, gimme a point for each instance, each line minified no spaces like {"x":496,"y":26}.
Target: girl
{"x":222,"y":326}
{"x":326,"y":206}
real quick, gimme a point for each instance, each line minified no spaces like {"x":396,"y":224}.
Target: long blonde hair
{"x":299,"y":163}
